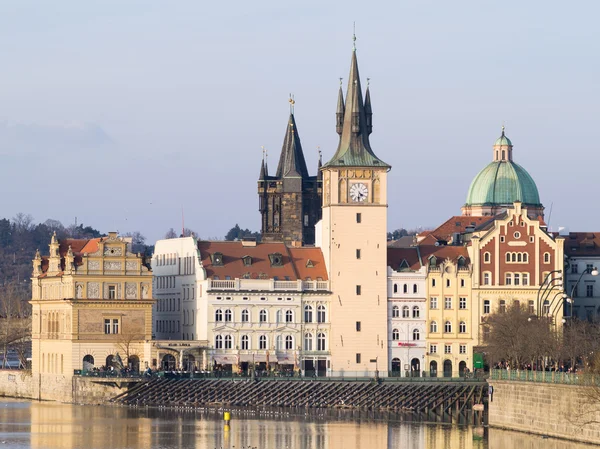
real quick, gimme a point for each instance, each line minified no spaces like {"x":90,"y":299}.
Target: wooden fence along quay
{"x":460,"y":401}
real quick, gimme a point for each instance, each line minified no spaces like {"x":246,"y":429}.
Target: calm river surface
{"x":25,"y":424}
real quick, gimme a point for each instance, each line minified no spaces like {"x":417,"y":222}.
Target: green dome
{"x":503,"y":140}
{"x":503,"y":183}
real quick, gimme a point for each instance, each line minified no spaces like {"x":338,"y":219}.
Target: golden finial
{"x":292,"y":102}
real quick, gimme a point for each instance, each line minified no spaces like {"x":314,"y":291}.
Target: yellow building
{"x":353,"y":238}
{"x":91,"y":299}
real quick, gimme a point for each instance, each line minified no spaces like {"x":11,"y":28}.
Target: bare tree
{"x":22,"y":222}
{"x":171,"y":234}
{"x":15,"y":322}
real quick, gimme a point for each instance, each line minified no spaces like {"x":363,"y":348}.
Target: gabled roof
{"x":78,"y":246}
{"x":455,"y":224}
{"x":582,"y":244}
{"x":293,"y":266}
{"x":397,"y":256}
{"x":444,"y":252}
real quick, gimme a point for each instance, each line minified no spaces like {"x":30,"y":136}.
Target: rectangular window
{"x":358,"y":253}
{"x":447,"y":349}
{"x":574,"y":268}
{"x":508,"y":279}
{"x":107,"y":326}
{"x":358,"y":290}
{"x":531,"y":307}
{"x":517,"y":279}
{"x":433,"y":349}
{"x":525,"y":278}
{"x":115,"y":326}
{"x":447,"y":303}
{"x":305,"y":219}
{"x":589,"y":290}
{"x":433,"y":303}
{"x":433,"y":282}
{"x":357,"y":358}
{"x":502,"y":306}
{"x":486,"y":306}
{"x":486,"y":278}
{"x":588,"y":268}
{"x":501,"y":239}
{"x":463,"y":349}
{"x":462,"y":303}
{"x":462,"y":282}
{"x":358,"y":217}
{"x":112,"y":292}
{"x":447,"y":282}
{"x":358,"y":326}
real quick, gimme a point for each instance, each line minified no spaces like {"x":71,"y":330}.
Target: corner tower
{"x":290,"y":201}
{"x":353,"y":237}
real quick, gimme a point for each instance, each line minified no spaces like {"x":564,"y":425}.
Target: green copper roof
{"x":503,"y":140}
{"x":503,"y":182}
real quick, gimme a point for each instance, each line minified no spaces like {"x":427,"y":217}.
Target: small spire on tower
{"x":262,"y":166}
{"x":339,"y":113}
{"x":368,"y":110}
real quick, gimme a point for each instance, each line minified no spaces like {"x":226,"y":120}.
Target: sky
{"x":123,"y":114}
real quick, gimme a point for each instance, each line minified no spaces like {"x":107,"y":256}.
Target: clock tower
{"x":353,"y":237}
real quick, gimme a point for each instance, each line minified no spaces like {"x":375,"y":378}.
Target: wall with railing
{"x":267,"y":285}
{"x":551,"y":377}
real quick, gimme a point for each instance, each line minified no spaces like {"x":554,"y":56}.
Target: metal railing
{"x":550,"y":377}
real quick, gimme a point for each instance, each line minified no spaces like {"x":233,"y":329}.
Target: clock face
{"x":359,"y":192}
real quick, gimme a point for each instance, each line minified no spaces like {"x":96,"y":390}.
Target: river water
{"x":25,"y":424}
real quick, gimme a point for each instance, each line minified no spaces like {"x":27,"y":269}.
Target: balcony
{"x":267,"y":285}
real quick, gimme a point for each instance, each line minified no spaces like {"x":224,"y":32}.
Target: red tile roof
{"x":457,"y":223}
{"x":293,"y":267}
{"x":395,"y":256}
{"x":582,"y":244}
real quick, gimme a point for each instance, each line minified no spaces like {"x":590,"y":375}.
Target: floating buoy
{"x":227,"y":416}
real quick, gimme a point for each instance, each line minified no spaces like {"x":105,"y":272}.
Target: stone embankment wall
{"x":546,"y":409}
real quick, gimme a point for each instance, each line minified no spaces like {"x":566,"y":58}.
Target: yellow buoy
{"x":227,"y":416}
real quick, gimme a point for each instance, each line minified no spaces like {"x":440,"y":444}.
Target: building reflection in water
{"x":59,"y":426}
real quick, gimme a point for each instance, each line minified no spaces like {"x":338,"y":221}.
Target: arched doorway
{"x":133,"y":363}
{"x":415,"y":368}
{"x":189,"y":362}
{"x":88,"y":363}
{"x":396,"y":366}
{"x":462,"y":368}
{"x":447,"y":368}
{"x":433,"y":368}
{"x":168,"y":363}
{"x":110,"y":361}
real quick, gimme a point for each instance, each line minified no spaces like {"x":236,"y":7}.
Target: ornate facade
{"x":91,"y":299}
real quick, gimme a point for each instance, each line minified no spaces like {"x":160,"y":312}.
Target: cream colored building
{"x":91,"y":299}
{"x":353,"y":237}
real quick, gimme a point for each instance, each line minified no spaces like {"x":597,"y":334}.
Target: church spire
{"x":291,"y":161}
{"x":368,"y":110}
{"x":354,"y":148}
{"x":339,"y":113}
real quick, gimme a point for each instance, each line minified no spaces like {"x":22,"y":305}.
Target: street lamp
{"x":594,"y":272}
{"x":546,"y":289}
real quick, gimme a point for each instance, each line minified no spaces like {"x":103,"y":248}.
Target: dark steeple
{"x":368,"y":110}
{"x":339,"y":113}
{"x":354,"y":148}
{"x":291,"y":161}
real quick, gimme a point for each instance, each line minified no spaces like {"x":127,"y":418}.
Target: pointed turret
{"x":339,"y":114}
{"x":319,"y":165}
{"x":291,"y":161}
{"x":354,"y":148}
{"x":261,"y":176}
{"x":368,"y":110}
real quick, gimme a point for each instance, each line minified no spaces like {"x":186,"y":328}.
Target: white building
{"x":406,"y":311}
{"x":582,"y":250}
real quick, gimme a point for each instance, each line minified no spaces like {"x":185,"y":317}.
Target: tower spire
{"x":339,"y":113}
{"x":368,"y":110}
{"x":263,"y":173}
{"x":291,"y":161}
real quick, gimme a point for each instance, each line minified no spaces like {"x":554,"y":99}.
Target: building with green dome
{"x":500,"y":184}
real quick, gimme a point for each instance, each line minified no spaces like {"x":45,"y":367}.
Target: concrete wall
{"x":16,"y":384}
{"x":545,"y":409}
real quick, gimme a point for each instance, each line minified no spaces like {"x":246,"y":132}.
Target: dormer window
{"x":217,"y":259}
{"x":247,"y":261}
{"x":432,"y":262}
{"x":309,"y":264}
{"x":276,"y":259}
{"x":403,"y":265}
{"x":461,"y":261}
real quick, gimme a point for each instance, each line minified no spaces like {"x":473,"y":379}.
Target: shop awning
{"x":245,"y":357}
{"x":225,"y":359}
{"x":286,"y":358}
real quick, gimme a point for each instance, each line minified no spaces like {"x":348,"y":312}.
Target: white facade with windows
{"x":582,"y":250}
{"x":406,"y":320}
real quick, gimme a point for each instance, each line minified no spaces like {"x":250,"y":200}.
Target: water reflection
{"x":59,"y":426}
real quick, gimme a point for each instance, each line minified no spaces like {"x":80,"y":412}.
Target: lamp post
{"x":546,"y":289}
{"x":570,"y":300}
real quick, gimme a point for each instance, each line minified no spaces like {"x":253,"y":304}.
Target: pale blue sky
{"x":121,"y":112}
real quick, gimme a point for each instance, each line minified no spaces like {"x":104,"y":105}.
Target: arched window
{"x":395,"y":312}
{"x":416,"y":312}
{"x":416,"y":334}
{"x":462,"y":327}
{"x":395,"y":288}
{"x":321,"y":318}
{"x":308,"y":342}
{"x":262,"y":342}
{"x":218,"y":342}
{"x":218,"y":315}
{"x":321,"y":342}
{"x":228,"y":341}
{"x":289,"y":316}
{"x":433,"y":327}
{"x":508,"y":257}
{"x":405,"y":312}
{"x":447,"y":327}
{"x":546,"y":257}
{"x":308,"y":314}
{"x":415,"y":288}
{"x":245,"y":342}
{"x":279,"y":343}
{"x":279,"y":316}
{"x":245,"y":316}
{"x":395,"y":335}
{"x":519,"y":257}
{"x":514,"y":257}
{"x":228,"y":315}
{"x":263,"y":316}
{"x":405,"y":290}
{"x":525,"y":257}
{"x":486,"y":257}
{"x":289,"y":342}
{"x":88,"y":362}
